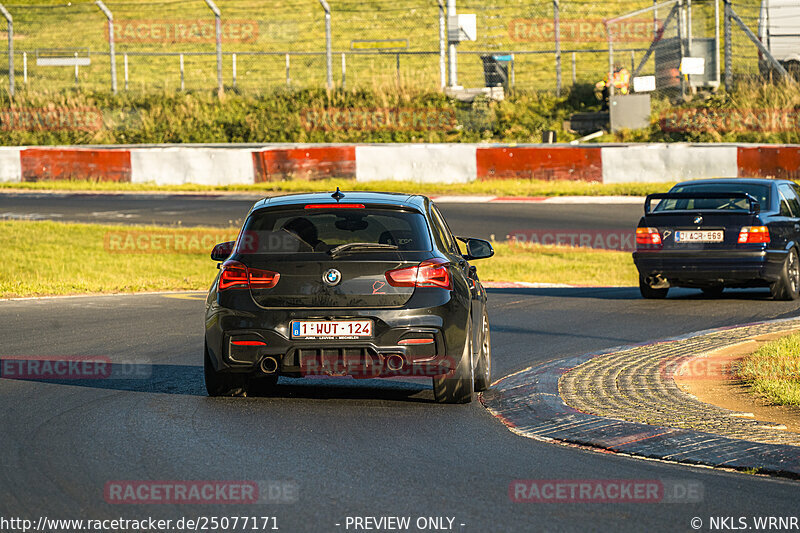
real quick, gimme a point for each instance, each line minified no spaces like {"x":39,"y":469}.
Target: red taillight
{"x":235,"y":275}
{"x":431,"y":273}
{"x":754,"y":234}
{"x":648,"y":237}
{"x":415,"y":341}
{"x":335,"y":206}
{"x":249,"y":343}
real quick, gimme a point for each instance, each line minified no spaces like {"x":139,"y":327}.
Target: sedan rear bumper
{"x":696,"y":267}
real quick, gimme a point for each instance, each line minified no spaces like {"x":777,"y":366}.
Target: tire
{"x":483,"y":374}
{"x":788,"y":285}
{"x":650,"y":293}
{"x":458,"y":385}
{"x":221,"y":383}
{"x":713,"y":291}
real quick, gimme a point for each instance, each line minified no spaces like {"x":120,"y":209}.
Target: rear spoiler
{"x":755,"y":207}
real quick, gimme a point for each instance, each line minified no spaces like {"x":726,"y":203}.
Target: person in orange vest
{"x":621,"y":79}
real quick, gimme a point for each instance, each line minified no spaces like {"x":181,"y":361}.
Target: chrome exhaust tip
{"x":269,"y":365}
{"x":395,"y":362}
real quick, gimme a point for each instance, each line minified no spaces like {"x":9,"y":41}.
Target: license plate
{"x":699,"y":236}
{"x":331,"y":329}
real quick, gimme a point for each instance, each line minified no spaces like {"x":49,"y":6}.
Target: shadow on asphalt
{"x":187,"y":380}
{"x":630,"y":293}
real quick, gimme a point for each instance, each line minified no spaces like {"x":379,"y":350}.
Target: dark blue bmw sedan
{"x":718,"y":233}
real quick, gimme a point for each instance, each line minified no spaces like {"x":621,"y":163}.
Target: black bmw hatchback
{"x":359,"y":284}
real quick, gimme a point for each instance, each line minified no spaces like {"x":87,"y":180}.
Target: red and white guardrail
{"x":425,"y":163}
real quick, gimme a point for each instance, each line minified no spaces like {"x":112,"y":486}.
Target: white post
{"x":182,"y":85}
{"x":288,"y":79}
{"x":442,"y":46}
{"x":10,"y":21}
{"x":111,"y":51}
{"x":328,"y":52}
{"x":451,"y":50}
{"x":125,"y":60}
{"x":218,"y":27}
{"x":344,"y":70}
{"x":76,"y":69}
{"x":233,"y":59}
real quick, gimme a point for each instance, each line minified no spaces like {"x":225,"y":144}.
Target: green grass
{"x":51,"y":258}
{"x":773,"y":371}
{"x":558,"y":264}
{"x":520,"y":188}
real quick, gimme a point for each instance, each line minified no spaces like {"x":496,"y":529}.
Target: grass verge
{"x":773,"y":371}
{"x":52,"y":258}
{"x":520,"y":188}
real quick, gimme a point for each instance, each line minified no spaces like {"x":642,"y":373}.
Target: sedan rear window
{"x":297,"y":229}
{"x":759,"y":192}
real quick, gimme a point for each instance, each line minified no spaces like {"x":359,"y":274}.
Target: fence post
{"x":111,"y":51}
{"x":442,"y":46}
{"x":10,"y":21}
{"x":728,"y":47}
{"x":233,"y":67}
{"x":681,"y":31}
{"x":574,"y":73}
{"x":125,"y":61}
{"x":218,"y":25}
{"x":288,"y":79}
{"x":344,"y":71}
{"x":451,"y":49}
{"x":610,"y":62}
{"x":181,"y":61}
{"x":557,"y":34}
{"x":328,"y":52}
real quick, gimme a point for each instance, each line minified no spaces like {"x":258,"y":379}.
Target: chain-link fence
{"x":252,"y":46}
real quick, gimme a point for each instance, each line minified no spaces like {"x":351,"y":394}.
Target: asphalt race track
{"x":353,"y":448}
{"x":474,"y":220}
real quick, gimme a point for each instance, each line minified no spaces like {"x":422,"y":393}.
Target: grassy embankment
{"x":51,"y":258}
{"x":774,"y":371}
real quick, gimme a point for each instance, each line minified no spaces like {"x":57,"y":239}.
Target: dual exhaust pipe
{"x":394,"y":362}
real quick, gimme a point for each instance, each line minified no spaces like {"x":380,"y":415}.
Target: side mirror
{"x":477,"y":248}
{"x":222,"y":251}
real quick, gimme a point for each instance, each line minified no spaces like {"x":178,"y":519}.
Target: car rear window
{"x":301,"y":230}
{"x":759,"y":192}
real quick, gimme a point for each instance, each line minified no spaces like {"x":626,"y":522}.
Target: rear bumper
{"x":435,"y":315}
{"x":690,"y":267}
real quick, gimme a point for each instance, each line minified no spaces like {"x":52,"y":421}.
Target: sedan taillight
{"x":430,"y":273}
{"x":648,"y":237}
{"x":235,"y":275}
{"x":754,"y":234}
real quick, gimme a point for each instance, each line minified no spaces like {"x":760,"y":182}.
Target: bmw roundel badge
{"x":332,"y":277}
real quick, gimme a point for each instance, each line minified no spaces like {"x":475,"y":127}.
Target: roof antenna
{"x":338,"y":195}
